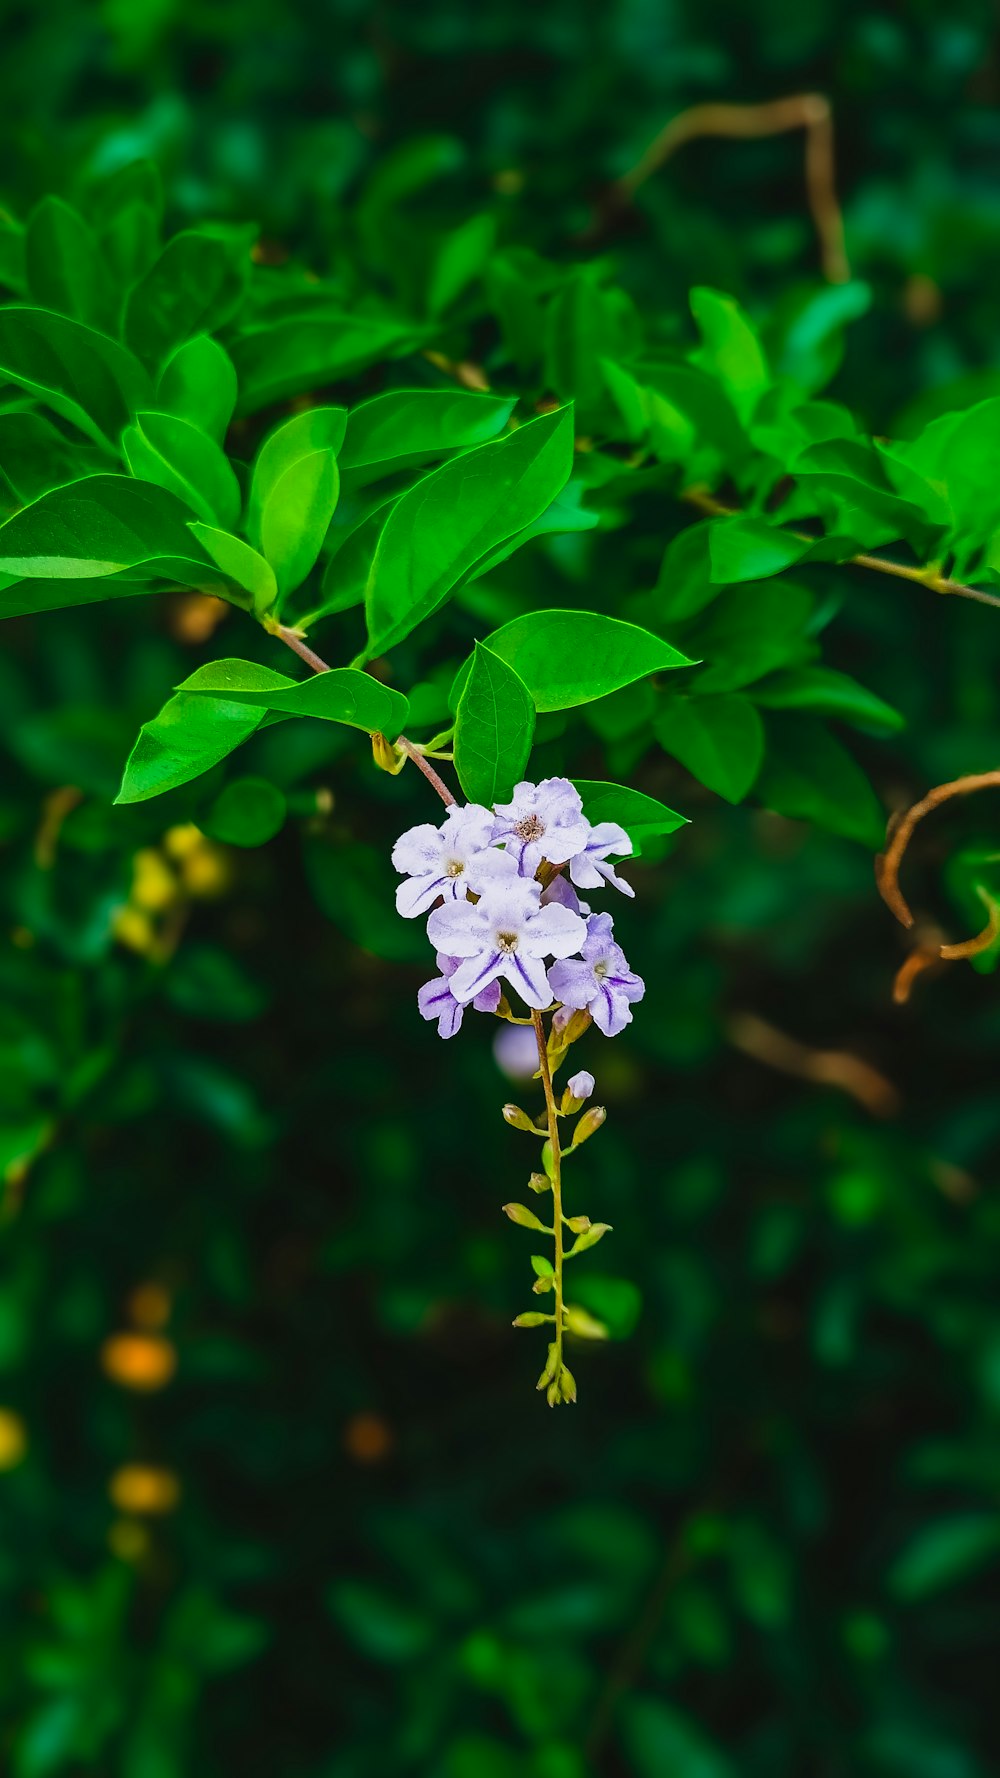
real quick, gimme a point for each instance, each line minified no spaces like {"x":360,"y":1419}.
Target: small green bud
{"x":540,"y":1183}
{"x":577,"y":1223}
{"x":525,"y":1218}
{"x":518,"y":1119}
{"x":547,"y":1160}
{"x":589,"y":1124}
{"x":583,"y":1324}
{"x":531,"y":1318}
{"x":550,"y":1368}
{"x":552,"y":1392}
{"x":567,"y":1384}
{"x":387,"y":756}
{"x":589,"y":1238}
{"x":542,"y":1285}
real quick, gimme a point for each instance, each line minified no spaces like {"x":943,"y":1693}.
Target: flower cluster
{"x":500,"y":887}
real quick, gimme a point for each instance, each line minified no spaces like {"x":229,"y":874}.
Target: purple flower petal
{"x":476,"y":974}
{"x":458,"y":928}
{"x":527,"y":975}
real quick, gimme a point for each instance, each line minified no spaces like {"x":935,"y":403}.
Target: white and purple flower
{"x":599,"y":981}
{"x":542,"y":822}
{"x":590,"y":869}
{"x":442,"y":861}
{"x":436,"y":1000}
{"x":506,"y":935}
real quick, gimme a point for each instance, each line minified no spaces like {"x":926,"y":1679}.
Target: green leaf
{"x":567,"y":658}
{"x":810,"y":776}
{"x":195,"y":286}
{"x":23,"y":598}
{"x":826,"y":692}
{"x":730,"y":348}
{"x":643,"y":817}
{"x":457,"y":514}
{"x":461,"y":258}
{"x":660,"y":1741}
{"x":751,"y":549}
{"x":187,"y":738}
{"x":947,"y":1550}
{"x":752,"y":630}
{"x":65,"y":270}
{"x":317,"y":429}
{"x":79,"y":373}
{"x":35,"y":456}
{"x":97,"y":526}
{"x":566,"y":513}
{"x":248,"y":812}
{"x":584,"y":325}
{"x":240,"y":563}
{"x":719,"y":739}
{"x":342,"y":695}
{"x":296,"y":515}
{"x":175,"y":455}
{"x":198,"y":383}
{"x":411,"y":426}
{"x":494,"y":728}
{"x":296,"y":354}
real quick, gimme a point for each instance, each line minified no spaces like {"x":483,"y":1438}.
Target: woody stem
{"x":557,"y":1216}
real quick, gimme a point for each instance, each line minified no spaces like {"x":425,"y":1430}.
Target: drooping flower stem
{"x":293,"y":640}
{"x":556,"y":1177}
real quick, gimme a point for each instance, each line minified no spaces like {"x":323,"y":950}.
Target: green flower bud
{"x":525,"y":1218}
{"x":387,"y":756}
{"x":519,"y":1120}
{"x":583,"y":1324}
{"x":539,"y":1182}
{"x":589,"y":1238}
{"x":590,"y":1122}
{"x":531,"y":1318}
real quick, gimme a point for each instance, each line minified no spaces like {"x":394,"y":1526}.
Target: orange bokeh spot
{"x":138,"y":1361}
{"x":367,"y":1438}
{"x":141,"y":1488}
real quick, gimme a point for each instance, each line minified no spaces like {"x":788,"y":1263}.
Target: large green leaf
{"x":198,"y":383}
{"x":65,"y":268}
{"x":809,"y":775}
{"x":195,"y":286}
{"x":456,"y":515}
{"x":826,"y":692}
{"x":35,"y":456}
{"x":643,"y":817}
{"x":730,"y":348}
{"x":176,"y":455}
{"x":494,"y":728}
{"x":79,"y":373}
{"x":239,"y":563}
{"x":411,"y":426}
{"x":187,"y":738}
{"x":300,"y":353}
{"x":571,"y":657}
{"x":751,"y":549}
{"x":97,"y":526}
{"x":296,"y":515}
{"x":23,"y":598}
{"x":719,"y":739}
{"x":342,"y":695}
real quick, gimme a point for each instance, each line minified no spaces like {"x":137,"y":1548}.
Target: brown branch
{"x":293,"y":640}
{"x":806,"y":111}
{"x":927,"y":576}
{"x":835,"y":1068}
{"x":887,"y":866}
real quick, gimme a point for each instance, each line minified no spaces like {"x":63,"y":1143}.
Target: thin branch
{"x":836,"y":1068}
{"x":806,"y":111}
{"x":927,"y":576}
{"x":557,"y":1212}
{"x":293,"y":640}
{"x":887,"y":866}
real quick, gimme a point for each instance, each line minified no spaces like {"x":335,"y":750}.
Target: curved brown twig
{"x":810,"y":112}
{"x":887,"y":866}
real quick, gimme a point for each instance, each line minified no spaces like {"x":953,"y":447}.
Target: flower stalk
{"x":555,"y":1175}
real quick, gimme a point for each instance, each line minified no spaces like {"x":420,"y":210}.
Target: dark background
{"x":765,"y":1544}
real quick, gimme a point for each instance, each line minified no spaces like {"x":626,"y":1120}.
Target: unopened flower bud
{"x":530,"y":1318}
{"x":525,"y":1218}
{"x":589,"y":1237}
{"x":552,"y":1392}
{"x":567,"y":1384}
{"x":590,"y":1122}
{"x":550,"y":1368}
{"x":583,"y":1324}
{"x":519,"y":1120}
{"x":387,"y":756}
{"x":540,"y":1182}
{"x":578,"y":1224}
{"x":581,"y":1085}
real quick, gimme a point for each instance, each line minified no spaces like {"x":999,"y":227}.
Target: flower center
{"x":531,"y":828}
{"x":601,"y":969}
{"x":507,"y":942}
{"x":454,"y":867}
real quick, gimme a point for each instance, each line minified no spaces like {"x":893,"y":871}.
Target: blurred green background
{"x":276,"y":1494}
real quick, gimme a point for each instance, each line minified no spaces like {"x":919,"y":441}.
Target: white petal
{"x":418,"y":851}
{"x":417,"y":894}
{"x":527,"y":975}
{"x":553,"y":932}
{"x":473,"y":976}
{"x":458,"y":928}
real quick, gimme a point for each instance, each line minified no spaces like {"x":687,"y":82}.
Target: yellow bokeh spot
{"x":127,"y":1539}
{"x":13,"y":1439}
{"x":154,"y":885}
{"x":134,"y":929}
{"x":142,"y":1489}
{"x":149,"y":1305}
{"x":206,"y":872}
{"x":179,"y":841}
{"x":139,"y":1361}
